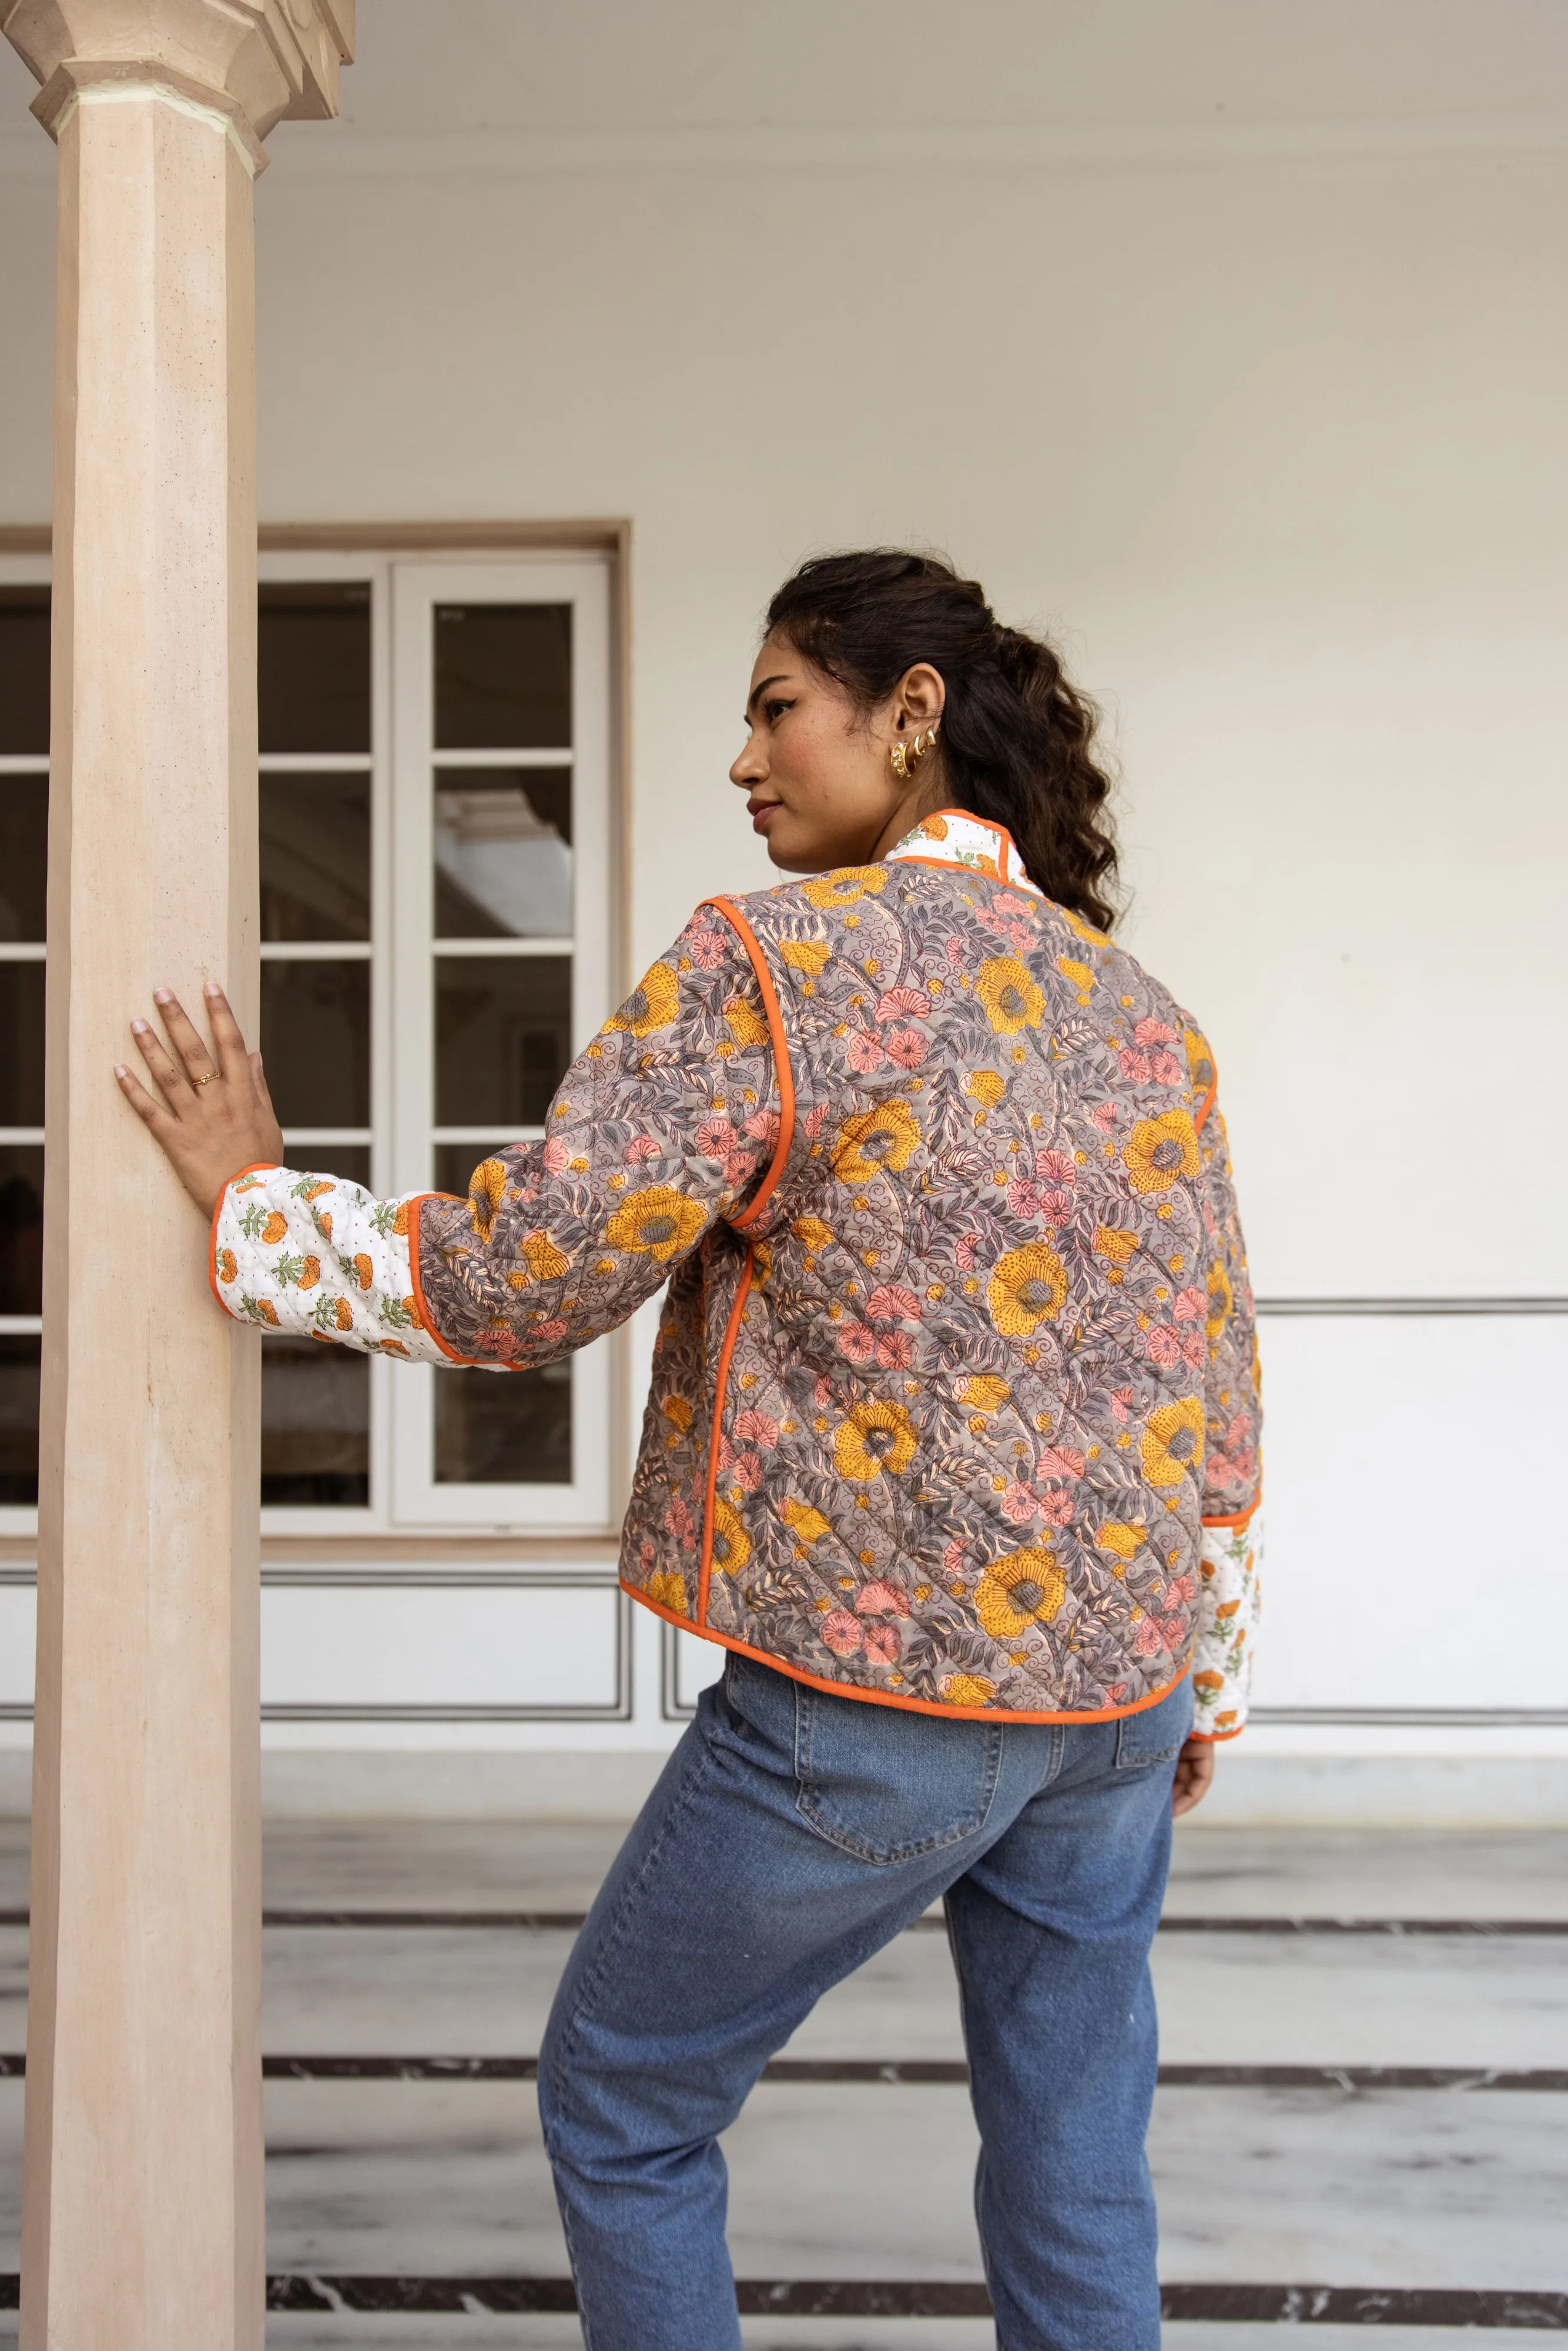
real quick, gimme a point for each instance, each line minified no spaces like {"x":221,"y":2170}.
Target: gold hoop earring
{"x":906,"y":758}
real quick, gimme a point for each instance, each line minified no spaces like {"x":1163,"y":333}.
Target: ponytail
{"x":1017,"y":737}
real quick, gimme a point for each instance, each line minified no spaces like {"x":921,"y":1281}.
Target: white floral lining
{"x":318,"y":1256}
{"x":1226,"y":1628}
{"x":955,"y":838}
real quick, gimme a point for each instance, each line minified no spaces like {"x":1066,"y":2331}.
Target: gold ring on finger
{"x":206,"y":1081}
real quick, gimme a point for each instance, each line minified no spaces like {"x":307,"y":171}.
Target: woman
{"x":951,"y":1439}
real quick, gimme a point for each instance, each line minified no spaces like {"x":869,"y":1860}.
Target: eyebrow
{"x":752,"y":699}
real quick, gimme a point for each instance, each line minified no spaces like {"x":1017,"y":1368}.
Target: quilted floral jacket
{"x":955,"y":1399}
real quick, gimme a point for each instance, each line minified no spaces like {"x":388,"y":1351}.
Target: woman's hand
{"x":216,"y":1115}
{"x":1194,"y":1776}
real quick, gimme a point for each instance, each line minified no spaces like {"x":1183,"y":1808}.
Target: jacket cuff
{"x":1227,"y":1625}
{"x":315,"y":1256}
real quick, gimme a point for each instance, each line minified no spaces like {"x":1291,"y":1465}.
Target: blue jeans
{"x":792,"y":1835}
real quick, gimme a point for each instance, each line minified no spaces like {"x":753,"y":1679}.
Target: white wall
{"x":1263,"y":418}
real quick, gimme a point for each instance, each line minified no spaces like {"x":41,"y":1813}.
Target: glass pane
{"x":24,"y":670}
{"x":503,"y":853}
{"x":511,"y":1431}
{"x":315,"y":857}
{"x":315,"y":1424}
{"x":23,"y":851}
{"x":502,"y":1030}
{"x":503,"y":677}
{"x":316,"y":1042}
{"x":313,"y":665}
{"x":18,"y":1420}
{"x":22,"y":1227}
{"x":22,"y":1044}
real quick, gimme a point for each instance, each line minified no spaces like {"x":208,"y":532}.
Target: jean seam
{"x":995,"y":1735}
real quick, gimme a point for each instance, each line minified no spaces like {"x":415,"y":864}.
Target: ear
{"x":918,"y":699}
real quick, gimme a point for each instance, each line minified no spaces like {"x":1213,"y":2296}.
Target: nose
{"x":751,"y":768}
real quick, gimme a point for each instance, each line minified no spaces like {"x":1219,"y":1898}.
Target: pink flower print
{"x":1149,"y":1642}
{"x":726,"y":1454}
{"x":1019,"y":1502}
{"x":964,"y":1250}
{"x":1056,"y":1507}
{"x":1012,"y":910}
{"x":1055,"y":1167}
{"x":678,"y":1519}
{"x":1120,"y":1400}
{"x":1056,"y":1207}
{"x":1235,"y":1435}
{"x":894,"y":1350}
{"x":757,"y":1429}
{"x":1192,"y":1349}
{"x":1117,"y":1693}
{"x":1135,"y":1066}
{"x":553,"y":1330}
{"x":842,"y":1632}
{"x":823,"y":1393}
{"x":857,"y":1342}
{"x":1104,"y":1114}
{"x":1060,"y":1461}
{"x":1152,"y":1032}
{"x":905,"y":1048}
{"x":814,"y":1119}
{"x":1190,"y":1305}
{"x":882,"y":1643}
{"x":891,"y":1302}
{"x":1164,"y":1345}
{"x":646,"y":1550}
{"x":716,"y":1138}
{"x":954,"y":951}
{"x":762,"y":1126}
{"x":556,"y":1154}
{"x":953,"y":1557}
{"x":642,"y":1146}
{"x":1167,"y":1071}
{"x":739,"y":1166}
{"x":862,"y":1052}
{"x":880,"y":1598}
{"x":905,"y":1003}
{"x":1173,"y":1632}
{"x":707,"y":949}
{"x":495,"y":1341}
{"x":1023,"y":1196}
{"x":1181,"y":1587}
{"x":748,"y":1470}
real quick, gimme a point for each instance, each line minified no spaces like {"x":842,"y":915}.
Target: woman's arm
{"x":666,"y":1123}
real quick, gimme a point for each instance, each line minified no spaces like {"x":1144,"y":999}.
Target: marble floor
{"x":1296,"y":1968}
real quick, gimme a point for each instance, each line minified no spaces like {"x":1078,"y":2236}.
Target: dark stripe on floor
{"x":547,"y":1922}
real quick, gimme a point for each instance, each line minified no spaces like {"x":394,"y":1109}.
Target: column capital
{"x":254,"y":62}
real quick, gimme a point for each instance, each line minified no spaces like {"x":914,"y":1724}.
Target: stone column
{"x":143,"y":2209}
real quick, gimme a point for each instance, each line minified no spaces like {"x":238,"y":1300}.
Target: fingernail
{"x":162,"y":996}
{"x":140,"y":1027}
{"x":121,"y":1071}
{"x":212,"y":989}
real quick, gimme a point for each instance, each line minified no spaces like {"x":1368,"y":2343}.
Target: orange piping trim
{"x":1238,"y":1517}
{"x":415,"y":1207}
{"x":253,"y":1169}
{"x":781,"y":1066}
{"x":1207,"y":1103}
{"x":721,"y":1380}
{"x":949,"y":865}
{"x":886,"y":1697}
{"x":1214,"y":1738}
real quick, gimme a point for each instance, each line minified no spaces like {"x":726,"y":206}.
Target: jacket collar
{"x":955,"y":837}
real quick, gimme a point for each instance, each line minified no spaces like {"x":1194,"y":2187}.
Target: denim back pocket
{"x":887,"y":1785}
{"x":1159,"y":1733}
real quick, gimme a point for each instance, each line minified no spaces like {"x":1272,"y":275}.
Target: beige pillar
{"x":142,"y":2226}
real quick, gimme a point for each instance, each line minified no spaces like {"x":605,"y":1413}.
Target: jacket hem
{"x":1237,"y":1519}
{"x":889,"y":1698}
{"x":1214,"y":1738}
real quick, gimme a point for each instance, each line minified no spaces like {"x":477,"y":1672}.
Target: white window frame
{"x":21,"y":571}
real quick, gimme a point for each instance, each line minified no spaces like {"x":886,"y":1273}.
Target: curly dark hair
{"x":1017,"y":737}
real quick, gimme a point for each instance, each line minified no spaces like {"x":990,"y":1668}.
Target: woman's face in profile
{"x":818,"y":773}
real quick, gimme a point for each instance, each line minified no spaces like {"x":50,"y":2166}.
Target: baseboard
{"x":1432,"y":1792}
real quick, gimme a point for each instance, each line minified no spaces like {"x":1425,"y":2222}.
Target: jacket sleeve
{"x":1227,"y":1599}
{"x":667,"y":1123}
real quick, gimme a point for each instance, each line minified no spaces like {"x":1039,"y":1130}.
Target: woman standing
{"x":952,"y":1440}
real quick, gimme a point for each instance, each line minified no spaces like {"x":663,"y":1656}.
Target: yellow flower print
{"x":1080,"y":973}
{"x":813,"y":1232}
{"x":1029,"y":1287}
{"x":984,"y":1391}
{"x":988,"y":1086}
{"x":657,"y":1222}
{"x":1210,"y":1684}
{"x":487,"y":1188}
{"x":228,"y":1265}
{"x":873,"y":1438}
{"x":652,"y":1003}
{"x":810,"y":1525}
{"x":1111,"y":1241}
{"x":1028,"y":1588}
{"x":678,"y":1412}
{"x":843,"y":886}
{"x":935,"y":828}
{"x":1076,"y":922}
{"x":1160,"y":1151}
{"x":968,"y":1689}
{"x":1122,"y":1543}
{"x":731,"y":1543}
{"x":1173,"y":1441}
{"x":668,"y":1591}
{"x":542,"y":1262}
{"x":275,"y":1227}
{"x":1220,"y":1299}
{"x":744,"y":1025}
{"x":1011,"y":997}
{"x":809,"y":956}
{"x":875,"y":1139}
{"x":1200,"y":1062}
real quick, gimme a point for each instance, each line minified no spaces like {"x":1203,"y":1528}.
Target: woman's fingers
{"x":151,"y":1113}
{"x":190,"y":1048}
{"x":228,"y":1044}
{"x":173,"y":1080}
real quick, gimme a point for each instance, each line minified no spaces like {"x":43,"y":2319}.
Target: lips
{"x":761,"y":813}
